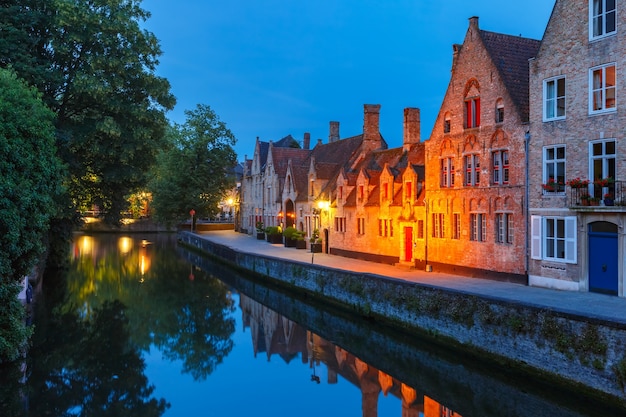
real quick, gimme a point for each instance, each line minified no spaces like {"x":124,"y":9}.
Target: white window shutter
{"x":535,"y":242}
{"x":571,"y":252}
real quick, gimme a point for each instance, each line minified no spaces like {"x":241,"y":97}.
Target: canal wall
{"x":565,"y":348}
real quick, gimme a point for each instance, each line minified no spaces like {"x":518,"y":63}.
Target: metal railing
{"x":609,"y":195}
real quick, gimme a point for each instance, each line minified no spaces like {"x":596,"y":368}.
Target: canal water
{"x":138,"y":326}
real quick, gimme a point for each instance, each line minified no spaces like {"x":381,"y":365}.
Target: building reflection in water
{"x":274,"y":334}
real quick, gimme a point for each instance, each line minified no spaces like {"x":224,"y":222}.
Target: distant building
{"x":577,"y":131}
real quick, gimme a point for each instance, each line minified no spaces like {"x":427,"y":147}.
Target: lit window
{"x":602,"y":18}
{"x":554,"y":99}
{"x":409,"y":189}
{"x":602,"y":163}
{"x":602,"y":89}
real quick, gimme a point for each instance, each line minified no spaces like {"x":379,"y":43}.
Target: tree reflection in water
{"x":123,"y":296}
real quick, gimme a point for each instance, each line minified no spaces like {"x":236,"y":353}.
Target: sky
{"x":272,"y":68}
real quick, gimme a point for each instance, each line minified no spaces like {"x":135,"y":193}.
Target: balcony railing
{"x":594,"y":195}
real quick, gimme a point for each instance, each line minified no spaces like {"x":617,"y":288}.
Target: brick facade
{"x":568,"y":55}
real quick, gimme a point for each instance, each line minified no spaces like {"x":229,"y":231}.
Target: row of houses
{"x":519,"y":179}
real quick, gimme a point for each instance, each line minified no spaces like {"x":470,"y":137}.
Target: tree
{"x":29,"y":180}
{"x":196,"y":169}
{"x":96,"y":69}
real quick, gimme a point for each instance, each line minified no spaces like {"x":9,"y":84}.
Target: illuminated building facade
{"x":577,"y":148}
{"x":476,"y":161}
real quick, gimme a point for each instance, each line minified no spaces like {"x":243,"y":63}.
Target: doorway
{"x":408,"y":244}
{"x":603,"y":258}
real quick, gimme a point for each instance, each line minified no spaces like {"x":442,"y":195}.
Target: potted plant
{"x":316,"y":242}
{"x":594,"y":201}
{"x":608,"y":199}
{"x":584,"y":199}
{"x":260,"y":231}
{"x":300,"y":242}
{"x":604,"y":182}
{"x":274,"y":234}
{"x":552,"y":185}
{"x":288,"y":234}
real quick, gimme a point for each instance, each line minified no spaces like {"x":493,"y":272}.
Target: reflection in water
{"x":274,"y":334}
{"x":131,"y":306}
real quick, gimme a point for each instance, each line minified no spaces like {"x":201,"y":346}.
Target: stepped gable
{"x":510,"y":54}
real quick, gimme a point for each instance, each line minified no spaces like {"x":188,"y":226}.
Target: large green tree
{"x":196,"y":170}
{"x":95,"y":66}
{"x":29,"y":181}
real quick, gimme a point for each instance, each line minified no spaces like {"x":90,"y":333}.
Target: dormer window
{"x":602,"y":18}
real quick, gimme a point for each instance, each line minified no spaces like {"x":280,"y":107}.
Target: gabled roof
{"x":510,"y":54}
{"x":282,"y":156}
{"x":287,"y":142}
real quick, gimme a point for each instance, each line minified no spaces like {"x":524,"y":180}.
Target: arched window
{"x":446,"y":123}
{"x":472,"y":104}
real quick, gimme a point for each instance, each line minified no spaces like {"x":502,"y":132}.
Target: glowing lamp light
{"x":323,"y":205}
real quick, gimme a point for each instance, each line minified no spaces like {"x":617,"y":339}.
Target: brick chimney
{"x":411,"y":127}
{"x":333,"y":136}
{"x":371,"y":129}
{"x":306,"y":142}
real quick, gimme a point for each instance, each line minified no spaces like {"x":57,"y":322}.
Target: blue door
{"x":603,"y":260}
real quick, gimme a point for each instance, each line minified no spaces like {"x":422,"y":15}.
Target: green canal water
{"x":139,"y":326}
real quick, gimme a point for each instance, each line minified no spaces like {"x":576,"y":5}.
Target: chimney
{"x":319,"y":142}
{"x":411,"y":127}
{"x":306,"y":142}
{"x":333,"y":136}
{"x":371,"y":130}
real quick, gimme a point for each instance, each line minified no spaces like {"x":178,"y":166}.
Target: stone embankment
{"x":585,"y":352}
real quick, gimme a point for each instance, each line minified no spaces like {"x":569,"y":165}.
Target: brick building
{"x":475,"y":220}
{"x":577,"y":131}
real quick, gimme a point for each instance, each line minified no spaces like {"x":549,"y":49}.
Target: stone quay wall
{"x":565,"y":348}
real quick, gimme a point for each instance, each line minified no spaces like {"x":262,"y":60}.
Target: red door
{"x":408,"y":244}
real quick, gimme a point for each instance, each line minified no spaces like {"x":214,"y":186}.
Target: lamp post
{"x":192,"y":213}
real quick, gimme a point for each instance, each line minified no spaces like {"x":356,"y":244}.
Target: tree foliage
{"x":29,"y":176}
{"x":196,"y":170}
{"x":96,"y":67}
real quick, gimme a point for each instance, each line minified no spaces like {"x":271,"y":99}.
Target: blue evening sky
{"x":270,"y":68}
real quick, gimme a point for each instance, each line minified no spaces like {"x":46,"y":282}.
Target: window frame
{"x":500,"y":161}
{"x":553,"y":102}
{"x":556,"y":162}
{"x":478,"y":234}
{"x":499,"y":111}
{"x":472,"y":112}
{"x":471,"y":176}
{"x":540,"y":238}
{"x":504,"y":228}
{"x":602,"y":89}
{"x":447,"y":172}
{"x":602,"y":16}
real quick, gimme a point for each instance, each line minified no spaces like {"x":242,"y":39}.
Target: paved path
{"x":605,"y":307}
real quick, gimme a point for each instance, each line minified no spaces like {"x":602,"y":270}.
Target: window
{"x":472,"y":170}
{"x":438,"y":225}
{"x":504,"y":227}
{"x":500,"y":167}
{"x":420,"y":229}
{"x":499,"y":111}
{"x":447,"y":172}
{"x":340,"y":192}
{"x":554,"y":99}
{"x":479,"y":227}
{"x":456,"y":225}
{"x":360,"y":225}
{"x":553,"y":238}
{"x":340,"y":224}
{"x":361,"y":193}
{"x":472,"y":113}
{"x":602,"y":18}
{"x":385,"y":228}
{"x":385,"y":191}
{"x":602,"y":89}
{"x":446,"y":123}
{"x":554,"y":167}
{"x":409,"y":189}
{"x":603,"y":164}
